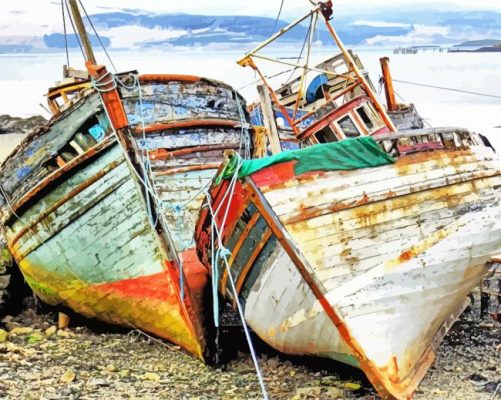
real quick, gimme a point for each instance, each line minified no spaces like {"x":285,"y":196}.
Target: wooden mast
{"x":391,"y":101}
{"x":77,"y":18}
{"x":351,"y":62}
{"x":104,"y":81}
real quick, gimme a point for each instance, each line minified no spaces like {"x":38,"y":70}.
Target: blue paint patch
{"x":23,"y":172}
{"x":181,"y":111}
{"x":145,"y":113}
{"x":97,"y":132}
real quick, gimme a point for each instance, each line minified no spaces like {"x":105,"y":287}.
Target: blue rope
{"x":223,"y":253}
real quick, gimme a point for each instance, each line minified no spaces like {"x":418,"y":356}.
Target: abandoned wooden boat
{"x":87,"y":200}
{"x":362,"y":248}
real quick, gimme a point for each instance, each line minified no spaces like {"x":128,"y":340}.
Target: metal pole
{"x":299,"y":66}
{"x":276,"y":35}
{"x":77,"y":18}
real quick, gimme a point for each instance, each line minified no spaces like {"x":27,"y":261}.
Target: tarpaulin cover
{"x":348,"y":154}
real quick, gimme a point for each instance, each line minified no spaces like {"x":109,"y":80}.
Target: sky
{"x":30,"y":17}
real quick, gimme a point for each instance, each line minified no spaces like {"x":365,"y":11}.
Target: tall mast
{"x":77,"y":18}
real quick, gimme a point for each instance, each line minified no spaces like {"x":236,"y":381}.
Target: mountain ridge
{"x":139,"y":29}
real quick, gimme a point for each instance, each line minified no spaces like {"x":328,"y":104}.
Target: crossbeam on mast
{"x":325,"y":10}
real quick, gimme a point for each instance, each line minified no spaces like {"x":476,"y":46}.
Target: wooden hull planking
{"x":367,"y":266}
{"x":97,"y":252}
{"x":82,"y":231}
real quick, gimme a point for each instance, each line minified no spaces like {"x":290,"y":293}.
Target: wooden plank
{"x":374,"y":213}
{"x":24,"y":168}
{"x":269,"y":119}
{"x":312,"y":210}
{"x":250,"y":262}
{"x":236,"y":248}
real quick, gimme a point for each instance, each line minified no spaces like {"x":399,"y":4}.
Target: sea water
{"x":24,"y":79}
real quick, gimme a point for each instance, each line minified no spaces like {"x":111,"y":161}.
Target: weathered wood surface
{"x":407,"y":118}
{"x":184,"y":161}
{"x":25,"y":168}
{"x":173,"y":101}
{"x":394,"y":250}
{"x":98,"y":253}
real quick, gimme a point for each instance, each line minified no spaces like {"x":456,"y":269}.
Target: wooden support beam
{"x":189,"y":168}
{"x":270,"y":122}
{"x":367,"y":88}
{"x":244,"y":60}
{"x":391,"y":101}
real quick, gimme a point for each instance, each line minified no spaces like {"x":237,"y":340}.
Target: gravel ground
{"x":37,"y":361}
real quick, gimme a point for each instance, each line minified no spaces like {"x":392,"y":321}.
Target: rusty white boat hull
{"x":368,"y":267}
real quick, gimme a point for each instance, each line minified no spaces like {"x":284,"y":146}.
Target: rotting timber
{"x":363,"y":246}
{"x":99,"y":204}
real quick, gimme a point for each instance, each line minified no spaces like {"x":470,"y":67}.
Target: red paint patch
{"x":237,"y":203}
{"x":196,"y":273}
{"x":155,"y":287}
{"x":276,"y":174}
{"x":405,"y":256}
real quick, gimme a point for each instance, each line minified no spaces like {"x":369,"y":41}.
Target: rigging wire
{"x":278,"y":17}
{"x":267,"y":77}
{"x":302,"y":50}
{"x":65,"y":35}
{"x":97,"y":35}
{"x":448,"y":89}
{"x":74,"y":29}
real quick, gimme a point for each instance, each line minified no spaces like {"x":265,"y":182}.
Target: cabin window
{"x":365,"y":117}
{"x":326,"y":136}
{"x":348,"y":127}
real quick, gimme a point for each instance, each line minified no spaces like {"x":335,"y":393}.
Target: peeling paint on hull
{"x":77,"y":218}
{"x":366,"y":266}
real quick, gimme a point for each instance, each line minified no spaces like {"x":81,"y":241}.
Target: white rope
{"x":223,"y":253}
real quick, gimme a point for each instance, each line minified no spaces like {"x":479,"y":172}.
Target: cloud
{"x":420,"y":34}
{"x":381,"y":24}
{"x":133,"y":35}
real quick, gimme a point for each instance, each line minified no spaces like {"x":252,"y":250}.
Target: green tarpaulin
{"x":348,"y":154}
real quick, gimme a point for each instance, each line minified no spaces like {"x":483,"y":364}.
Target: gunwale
{"x":275,"y":179}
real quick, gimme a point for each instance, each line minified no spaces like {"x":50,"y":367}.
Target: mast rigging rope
{"x":65,"y":35}
{"x":74,"y":29}
{"x":97,"y":35}
{"x":448,"y":89}
{"x":278,"y":17}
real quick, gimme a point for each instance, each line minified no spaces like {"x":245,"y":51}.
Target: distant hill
{"x":382,"y":26}
{"x":480,"y":43}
